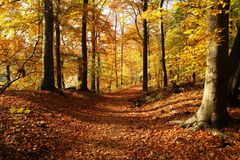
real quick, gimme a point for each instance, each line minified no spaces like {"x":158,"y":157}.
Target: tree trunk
{"x":93,"y":68}
{"x":165,"y":80}
{"x":84,"y":86}
{"x":48,"y":65}
{"x":235,"y":71}
{"x":58,"y":44}
{"x":122,"y":50}
{"x":115,"y":52}
{"x":98,"y":72}
{"x":145,"y":49}
{"x":213,"y":110}
{"x":8,"y":73}
{"x":98,"y":67}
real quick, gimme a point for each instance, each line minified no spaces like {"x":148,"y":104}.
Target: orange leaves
{"x":88,"y":126}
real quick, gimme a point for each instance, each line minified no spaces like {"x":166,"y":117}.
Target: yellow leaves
{"x":154,"y":15}
{"x":20,"y":110}
{"x":76,"y":2}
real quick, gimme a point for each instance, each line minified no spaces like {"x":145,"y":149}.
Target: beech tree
{"x":93,"y":41}
{"x":84,"y":48}
{"x":165,"y":80}
{"x":48,"y":65}
{"x":213,"y":110}
{"x":235,"y":71}
{"x":58,"y":45}
{"x":145,"y":49}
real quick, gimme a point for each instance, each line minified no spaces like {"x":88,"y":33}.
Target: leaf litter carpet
{"x":79,"y":125}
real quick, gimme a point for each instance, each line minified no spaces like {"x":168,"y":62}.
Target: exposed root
{"x":201,"y":125}
{"x":217,"y":132}
{"x":189,"y":123}
{"x":194,"y":124}
{"x":175,"y":122}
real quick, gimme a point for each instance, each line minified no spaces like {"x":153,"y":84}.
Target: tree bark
{"x":165,"y":79}
{"x":84,"y":86}
{"x":213,"y":110}
{"x":8,"y":73}
{"x":145,"y":49}
{"x":98,"y":66}
{"x":48,"y":65}
{"x":122,"y":50}
{"x":98,"y":72}
{"x":235,"y":71}
{"x":115,"y":52}
{"x":93,"y":68}
{"x":58,"y":44}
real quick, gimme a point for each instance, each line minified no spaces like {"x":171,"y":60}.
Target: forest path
{"x":82,"y":125}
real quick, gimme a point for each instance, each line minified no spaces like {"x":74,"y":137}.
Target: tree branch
{"x":20,"y":72}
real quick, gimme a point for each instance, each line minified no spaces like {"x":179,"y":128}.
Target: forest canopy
{"x":115,"y":31}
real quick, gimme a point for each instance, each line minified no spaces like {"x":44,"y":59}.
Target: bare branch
{"x":20,"y":73}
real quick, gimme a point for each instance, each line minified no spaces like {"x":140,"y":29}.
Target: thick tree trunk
{"x":48,"y":65}
{"x":145,"y":49}
{"x":84,"y":86}
{"x":235,"y":71}
{"x":58,"y":44}
{"x":213,"y":110}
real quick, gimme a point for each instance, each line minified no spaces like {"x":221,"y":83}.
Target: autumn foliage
{"x":106,"y":79}
{"x":86,"y":126}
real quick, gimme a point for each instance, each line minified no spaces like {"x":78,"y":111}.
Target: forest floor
{"x":80,"y":125}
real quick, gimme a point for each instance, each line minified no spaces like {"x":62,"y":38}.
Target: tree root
{"x":194,"y":124}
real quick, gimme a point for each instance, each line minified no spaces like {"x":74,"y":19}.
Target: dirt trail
{"x":87,"y":126}
{"x":121,"y":100}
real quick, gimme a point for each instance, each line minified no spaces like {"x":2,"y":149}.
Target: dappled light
{"x":83,"y":125}
{"x":119,"y":79}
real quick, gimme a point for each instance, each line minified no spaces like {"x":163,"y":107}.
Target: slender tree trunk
{"x":63,"y":82}
{"x":98,"y":67}
{"x":84,"y":48}
{"x":165,"y":79}
{"x":93,"y":68}
{"x":98,"y":72}
{"x":145,"y":49}
{"x":213,"y":110}
{"x":79,"y":71}
{"x":115,"y":51}
{"x":58,"y":44}
{"x":48,"y":65}
{"x":122,"y":50}
{"x":8,"y":73}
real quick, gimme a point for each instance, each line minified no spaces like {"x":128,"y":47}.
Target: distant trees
{"x":120,"y":46}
